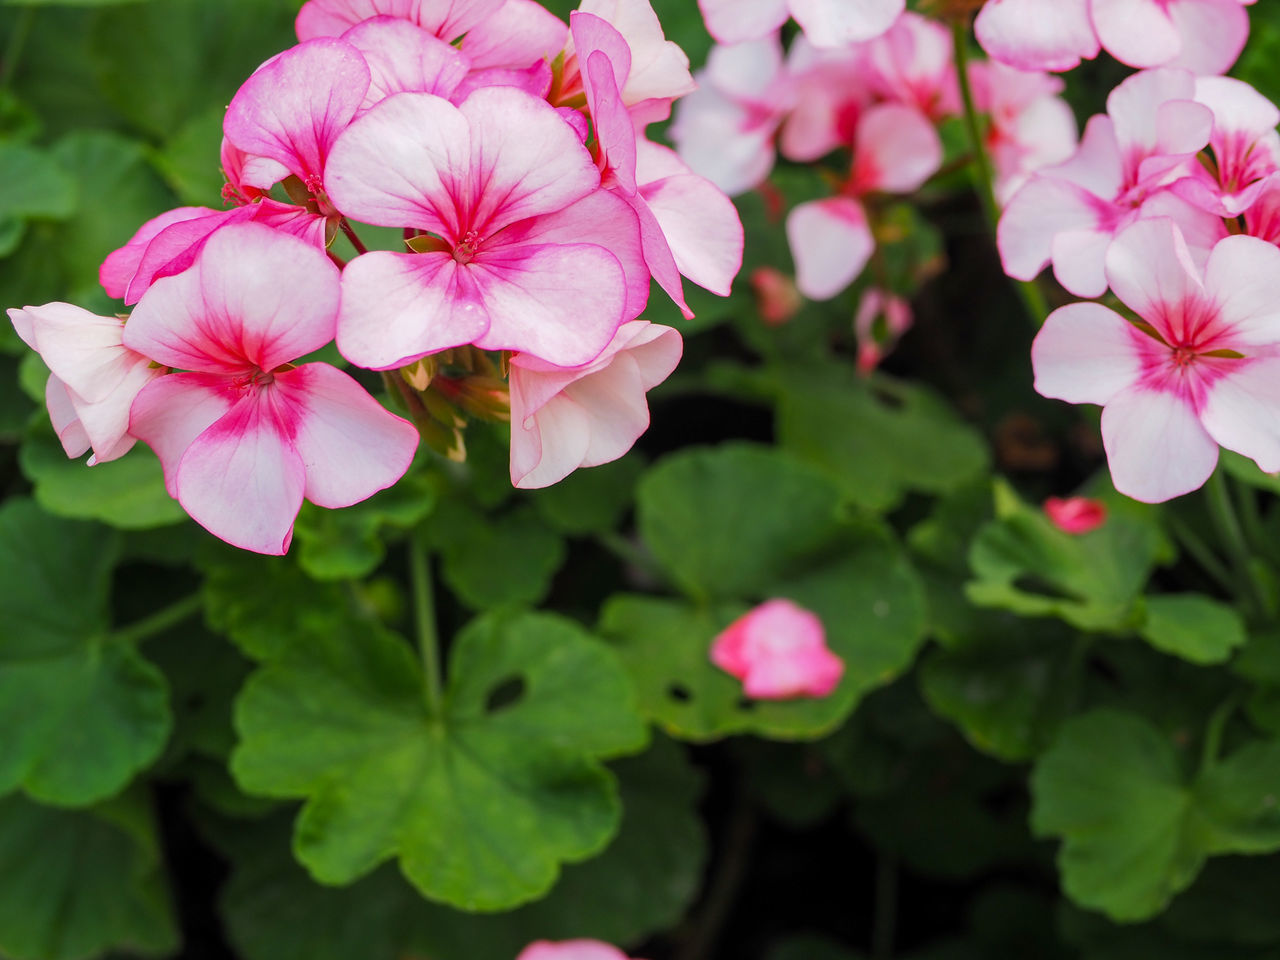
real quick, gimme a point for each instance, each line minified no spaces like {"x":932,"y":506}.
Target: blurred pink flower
{"x":571,"y":950}
{"x":779,"y":651}
{"x":894,"y":314}
{"x":1075,"y":515}
{"x":827,"y":23}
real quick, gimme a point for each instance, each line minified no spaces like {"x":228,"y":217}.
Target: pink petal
{"x":401,"y":163}
{"x":834,"y":23}
{"x":1096,"y":165}
{"x":1156,"y":118}
{"x":255,"y":296}
{"x":534,"y":80}
{"x":1037,"y":34}
{"x":521,"y":33}
{"x":659,"y":68}
{"x":1156,"y":447}
{"x":351,"y":446}
{"x":1043,"y":209}
{"x":701,"y":227}
{"x":1079,"y":261}
{"x":1242,"y":411}
{"x":293,"y":108}
{"x":1151,"y":271}
{"x":1075,"y":515}
{"x":830,"y":243}
{"x":171,"y":412}
{"x":614,"y":398}
{"x":604,"y":58}
{"x":1213,"y":33}
{"x":570,"y":950}
{"x":562,"y":302}
{"x":85,"y":351}
{"x":291,"y":219}
{"x":66,"y":422}
{"x":403,"y":58}
{"x":242,"y":480}
{"x":717,"y":138}
{"x":538,"y":463}
{"x":120,"y":266}
{"x":733,"y":21}
{"x":447,"y":19}
{"x":1137,"y":32}
{"x":175,"y":248}
{"x":896,"y":149}
{"x":397,"y":307}
{"x":779,"y":651}
{"x":1086,"y":353}
{"x":1240,"y":280}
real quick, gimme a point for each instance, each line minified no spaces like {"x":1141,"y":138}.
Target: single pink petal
{"x":1150,"y":269}
{"x":659,"y":68}
{"x":519,"y":34}
{"x":1097,"y":164}
{"x":1037,"y":34}
{"x":537,"y":462}
{"x":172,"y":411}
{"x":896,"y":150}
{"x":701,"y":227}
{"x":1043,"y":209}
{"x":121,"y":265}
{"x":66,"y":422}
{"x":1075,"y":515}
{"x":604,"y":57}
{"x":397,"y":307}
{"x":1200,"y":229}
{"x":751,"y":72}
{"x":1140,"y":33}
{"x":719,"y":139}
{"x":525,"y":160}
{"x":562,"y":302}
{"x":255,"y":296}
{"x":351,"y":446}
{"x":734,"y":21}
{"x":1242,"y":411}
{"x":658,"y":257}
{"x":1079,"y":261}
{"x":808,"y":673}
{"x":291,"y":219}
{"x":401,"y":163}
{"x":1213,"y":33}
{"x":175,"y":248}
{"x":403,"y":58}
{"x":614,"y":398}
{"x":834,"y":23}
{"x":571,"y":950}
{"x":1086,"y":353}
{"x":1240,"y":281}
{"x":830,"y":243}
{"x":779,"y":651}
{"x":1157,"y":120}
{"x":242,"y":480}
{"x":535,"y":80}
{"x":293,"y":108}
{"x":447,"y":19}
{"x":1156,"y":447}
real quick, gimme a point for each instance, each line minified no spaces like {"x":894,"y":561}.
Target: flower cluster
{"x":508,"y":149}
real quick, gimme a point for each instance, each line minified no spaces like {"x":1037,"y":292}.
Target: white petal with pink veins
{"x":66,"y":423}
{"x":734,"y":21}
{"x":614,"y":400}
{"x":1079,"y":259}
{"x":84,"y":350}
{"x":403,"y":58}
{"x":242,"y":480}
{"x":702,"y":228}
{"x":1241,"y":282}
{"x":170,"y":413}
{"x":659,"y":68}
{"x":1037,"y":34}
{"x":1156,"y":447}
{"x":519,"y":34}
{"x":1213,"y":33}
{"x":834,"y":23}
{"x":1242,"y":411}
{"x":351,"y":446}
{"x":1043,"y":209}
{"x":547,"y":446}
{"x":447,"y":19}
{"x":1150,"y":269}
{"x":1140,"y":33}
{"x":720,"y":139}
{"x":1086,"y":353}
{"x":830,"y":243}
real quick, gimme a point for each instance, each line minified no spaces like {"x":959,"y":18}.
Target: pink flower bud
{"x":776,"y":295}
{"x":778,"y":651}
{"x":1076,"y":515}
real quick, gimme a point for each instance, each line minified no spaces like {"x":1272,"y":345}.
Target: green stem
{"x":425,"y":618}
{"x":160,"y":621}
{"x":1227,"y":523}
{"x":886,"y":915}
{"x":353,"y":237}
{"x":725,"y":885}
{"x":17,"y":40}
{"x":1028,"y":292}
{"x":1202,"y":553}
{"x":1214,"y":730}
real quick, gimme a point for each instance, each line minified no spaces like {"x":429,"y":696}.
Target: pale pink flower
{"x":571,"y":950}
{"x":1203,"y":369}
{"x":522,"y":33}
{"x":827,"y":23}
{"x":725,"y":129}
{"x":1067,"y":213}
{"x":1030,"y":127}
{"x":563,"y":418}
{"x":896,"y":150}
{"x":94,"y":377}
{"x":403,"y":58}
{"x":527,"y":249}
{"x":779,"y":651}
{"x":244,"y":435}
{"x":447,"y":19}
{"x":1037,"y":34}
{"x":881,"y":320}
{"x":1262,"y":219}
{"x":1246,"y":149}
{"x":659,"y":68}
{"x":776,"y":295}
{"x":1075,"y":515}
{"x":824,"y":93}
{"x":912,"y":64}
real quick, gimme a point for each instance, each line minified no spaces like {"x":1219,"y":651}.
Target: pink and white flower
{"x":1068,"y":213}
{"x":243,"y":434}
{"x":779,"y":651}
{"x":876,"y":339}
{"x":447,"y":19}
{"x":912,"y":64}
{"x":563,"y":418}
{"x":571,"y":950}
{"x":516,"y":250}
{"x":1201,"y":370}
{"x":94,"y":377}
{"x":827,"y":23}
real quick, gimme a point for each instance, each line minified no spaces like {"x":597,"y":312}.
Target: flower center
{"x":465,"y":250}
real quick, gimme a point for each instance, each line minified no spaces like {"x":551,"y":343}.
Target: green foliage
{"x":481,"y":802}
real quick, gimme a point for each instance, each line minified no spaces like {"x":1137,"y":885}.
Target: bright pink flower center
{"x":464,"y":250}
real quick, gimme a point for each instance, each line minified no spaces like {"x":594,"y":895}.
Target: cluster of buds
{"x":509,"y":150}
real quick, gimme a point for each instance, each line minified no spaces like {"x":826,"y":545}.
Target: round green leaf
{"x":496,"y":560}
{"x":728,"y":522}
{"x":82,"y":713}
{"x":482,"y":805}
{"x":1193,"y":627}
